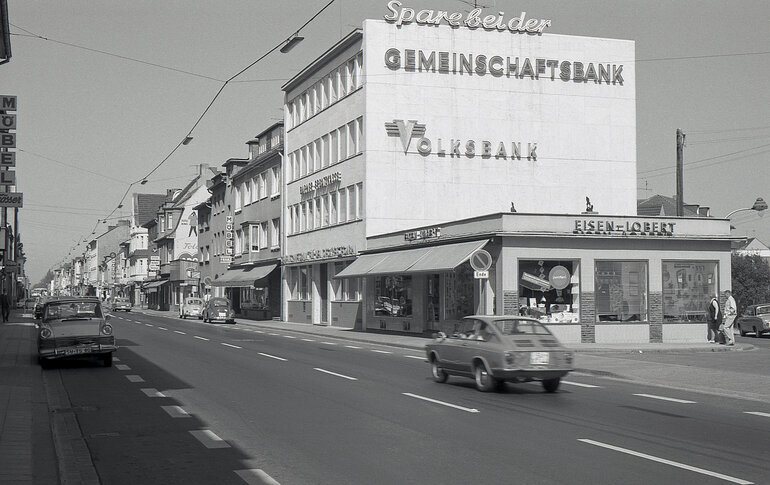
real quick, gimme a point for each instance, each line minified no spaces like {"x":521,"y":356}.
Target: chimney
{"x":704,"y":211}
{"x":203,"y":168}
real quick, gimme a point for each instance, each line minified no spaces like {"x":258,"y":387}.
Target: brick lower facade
{"x":587,"y":317}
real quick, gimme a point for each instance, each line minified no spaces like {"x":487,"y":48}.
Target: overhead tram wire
{"x":665,"y":169}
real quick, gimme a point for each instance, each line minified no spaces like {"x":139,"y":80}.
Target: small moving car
{"x":218,"y":308}
{"x":121,"y":304}
{"x":496,"y":349}
{"x":191,"y":307}
{"x":755,"y":319}
{"x":74,"y":327}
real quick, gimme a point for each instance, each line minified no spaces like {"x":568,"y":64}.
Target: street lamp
{"x":759,"y":206}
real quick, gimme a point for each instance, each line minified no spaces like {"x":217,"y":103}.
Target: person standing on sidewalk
{"x":6,"y":306}
{"x":714,"y":314}
{"x":731,"y":310}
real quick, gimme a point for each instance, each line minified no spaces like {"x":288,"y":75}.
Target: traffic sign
{"x":481,"y":260}
{"x":481,"y":275}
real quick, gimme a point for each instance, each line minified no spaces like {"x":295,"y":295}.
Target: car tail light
{"x":569,"y":356}
{"x":510,"y":358}
{"x":107,"y":329}
{"x":45,"y":332}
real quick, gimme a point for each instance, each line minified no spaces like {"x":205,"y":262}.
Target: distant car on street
{"x":755,"y":319}
{"x":496,"y":349}
{"x":121,"y":304}
{"x":73,"y":327}
{"x":191,"y":307}
{"x":218,"y":308}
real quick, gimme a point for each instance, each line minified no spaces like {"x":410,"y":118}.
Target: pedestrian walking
{"x":714,"y":314}
{"x":6,"y":306}
{"x":731,"y":311}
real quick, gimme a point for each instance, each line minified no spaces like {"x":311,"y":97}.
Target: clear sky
{"x":119,"y":84}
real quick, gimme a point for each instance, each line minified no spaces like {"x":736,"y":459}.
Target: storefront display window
{"x":254,"y":298}
{"x":621,"y":291}
{"x":393,"y":296}
{"x":549,"y":290}
{"x":687,"y":288}
{"x":458,"y":291}
{"x":432,"y":300}
{"x":345,"y":289}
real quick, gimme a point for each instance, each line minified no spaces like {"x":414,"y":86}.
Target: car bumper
{"x":191,"y":313}
{"x":76,"y":351}
{"x":538,"y":374}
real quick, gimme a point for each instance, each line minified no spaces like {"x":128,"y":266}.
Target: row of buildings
{"x":424,"y":172}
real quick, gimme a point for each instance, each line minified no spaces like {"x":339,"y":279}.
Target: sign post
{"x":481,"y":261}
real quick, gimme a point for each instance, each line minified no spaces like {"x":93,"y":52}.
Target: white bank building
{"x":436,"y":170}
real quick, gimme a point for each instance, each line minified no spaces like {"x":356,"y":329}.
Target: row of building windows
{"x":256,"y":188}
{"x":340,"y":144}
{"x":258,"y":236}
{"x":335,"y":207}
{"x":339,"y":83}
{"x":300,"y":281}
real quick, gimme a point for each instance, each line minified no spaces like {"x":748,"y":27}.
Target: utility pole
{"x":679,"y":172}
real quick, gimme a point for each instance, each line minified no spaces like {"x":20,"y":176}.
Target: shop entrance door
{"x":323,"y":291}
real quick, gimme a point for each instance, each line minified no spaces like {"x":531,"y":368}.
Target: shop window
{"x":393,"y":296}
{"x":621,"y":291}
{"x":432,"y":299}
{"x":549,"y":290}
{"x":305,"y":282}
{"x":345,"y":289}
{"x":458,"y":293}
{"x":687,"y":288}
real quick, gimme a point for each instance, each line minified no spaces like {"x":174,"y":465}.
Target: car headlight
{"x":107,"y":329}
{"x":510,"y":358}
{"x":45,"y":332}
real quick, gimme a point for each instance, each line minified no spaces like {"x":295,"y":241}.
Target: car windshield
{"x":194,"y":301}
{"x":84,"y":310}
{"x":217,"y":302}
{"x":521,"y":327}
{"x":121,"y":300}
{"x":762,"y":310}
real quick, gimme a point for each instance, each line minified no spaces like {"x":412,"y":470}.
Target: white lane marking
{"x":289,"y":336}
{"x":275,"y":334}
{"x":209,"y":438}
{"x":381,"y":351}
{"x":328,"y":343}
{"x":414,"y":357}
{"x":308,"y":340}
{"x":201,"y":338}
{"x":231,"y":345}
{"x":180,"y":333}
{"x":455,"y":406}
{"x":152,"y":392}
{"x":335,"y":374}
{"x":122,"y":367}
{"x":135,"y":321}
{"x":134,"y":378}
{"x":758,"y":413}
{"x":115,"y":359}
{"x":162,"y":328}
{"x":259,"y":331}
{"x":352,"y":347}
{"x":148,"y":325}
{"x":579,"y":384}
{"x":176,"y":411}
{"x":256,"y":477}
{"x":271,"y":356}
{"x":667,"y":462}
{"x":664,"y":398}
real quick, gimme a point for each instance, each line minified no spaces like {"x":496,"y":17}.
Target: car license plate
{"x":223,"y":315}
{"x":539,"y":358}
{"x":76,"y":350}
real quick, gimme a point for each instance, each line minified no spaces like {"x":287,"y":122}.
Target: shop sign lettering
{"x":320,"y":183}
{"x":407,"y":130}
{"x":404,"y":15}
{"x":624,"y":228}
{"x":319,"y":254}
{"x":430,"y":233}
{"x":12,"y":199}
{"x":468,"y":64}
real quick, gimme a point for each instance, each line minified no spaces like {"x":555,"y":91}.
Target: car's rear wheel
{"x":439,"y":374}
{"x":107,"y":360}
{"x":551,"y":385}
{"x":484,"y":380}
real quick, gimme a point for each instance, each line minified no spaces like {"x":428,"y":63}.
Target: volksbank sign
{"x":406,"y":130}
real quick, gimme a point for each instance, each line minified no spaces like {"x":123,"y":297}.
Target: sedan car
{"x":121,"y":304}
{"x":74,"y":327}
{"x":191,"y":307}
{"x":495,"y":349}
{"x":755,"y":319}
{"x":218,"y":308}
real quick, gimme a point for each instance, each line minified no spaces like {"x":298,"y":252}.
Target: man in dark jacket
{"x":6,"y":306}
{"x":714,"y":313}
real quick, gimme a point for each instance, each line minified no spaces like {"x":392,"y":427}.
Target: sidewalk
{"x":601,"y":360}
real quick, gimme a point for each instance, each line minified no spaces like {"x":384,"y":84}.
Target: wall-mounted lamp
{"x":187,"y":140}
{"x":291,"y":42}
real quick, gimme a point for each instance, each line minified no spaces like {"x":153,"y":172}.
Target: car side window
{"x":483,"y":332}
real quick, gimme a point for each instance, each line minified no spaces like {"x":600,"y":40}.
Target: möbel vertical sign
{"x":8,"y":105}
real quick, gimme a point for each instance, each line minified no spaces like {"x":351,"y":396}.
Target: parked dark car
{"x":74,"y":327}
{"x":496,"y":349}
{"x":755,"y":319}
{"x":121,"y":304}
{"x":218,"y":308}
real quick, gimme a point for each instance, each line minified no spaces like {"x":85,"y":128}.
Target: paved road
{"x":243,"y":403}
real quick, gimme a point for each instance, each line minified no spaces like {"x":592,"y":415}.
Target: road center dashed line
{"x":231,"y":345}
{"x":334,"y":374}
{"x":152,"y":392}
{"x":381,"y":351}
{"x":329,"y":343}
{"x":414,"y":357}
{"x":666,"y":462}
{"x":179,"y":332}
{"x":289,"y":336}
{"x":352,"y":347}
{"x":201,"y":338}
{"x":435,"y":401}
{"x":148,"y":325}
{"x":176,"y":411}
{"x":209,"y":438}
{"x":122,"y":367}
{"x":272,"y":356}
{"x":664,"y":398}
{"x":134,"y":378}
{"x":308,"y":340}
{"x":579,"y":384}
{"x":256,"y":477}
{"x":758,"y":413}
{"x":162,"y":328}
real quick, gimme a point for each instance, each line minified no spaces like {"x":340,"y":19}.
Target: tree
{"x":751,"y":280}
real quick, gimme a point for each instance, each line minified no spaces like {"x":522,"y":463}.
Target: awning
{"x":153,"y":284}
{"x":435,"y":259}
{"x":243,"y":277}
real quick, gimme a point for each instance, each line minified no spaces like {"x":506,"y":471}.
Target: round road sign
{"x":481,"y":260}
